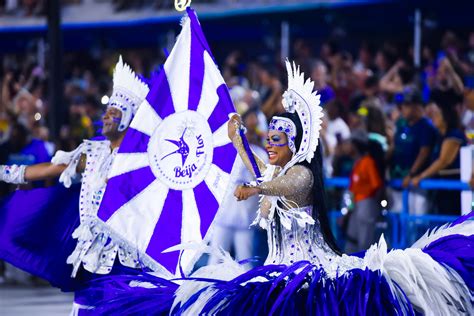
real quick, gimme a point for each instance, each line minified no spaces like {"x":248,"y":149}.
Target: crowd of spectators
{"x":38,"y":8}
{"x":28,"y":8}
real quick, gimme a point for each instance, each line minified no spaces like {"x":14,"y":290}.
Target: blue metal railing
{"x":400,"y":223}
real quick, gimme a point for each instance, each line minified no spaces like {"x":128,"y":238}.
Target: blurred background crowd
{"x":386,"y":117}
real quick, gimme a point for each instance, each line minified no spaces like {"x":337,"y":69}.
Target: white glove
{"x":14,"y":174}
{"x":71,"y":159}
{"x":68,"y":174}
{"x":63,"y":157}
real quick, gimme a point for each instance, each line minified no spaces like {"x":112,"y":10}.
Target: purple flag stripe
{"x":224,"y":106}
{"x":134,"y":142}
{"x":224,"y":157}
{"x":167,"y":231}
{"x":160,"y":97}
{"x":197,"y":31}
{"x":205,"y":197}
{"x":196,"y":72}
{"x":123,"y":188}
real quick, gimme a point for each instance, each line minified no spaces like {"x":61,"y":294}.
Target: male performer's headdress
{"x":300,"y":98}
{"x":128,"y":93}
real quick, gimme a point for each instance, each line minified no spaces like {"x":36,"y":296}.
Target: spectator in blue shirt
{"x":22,"y":149}
{"x":446,"y":154}
{"x":414,"y":140}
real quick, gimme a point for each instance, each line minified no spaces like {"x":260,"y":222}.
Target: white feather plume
{"x":127,"y":82}
{"x":465,"y":228}
{"x":433,"y":289}
{"x":430,"y":287}
{"x":301,"y":98}
{"x":227,"y":270}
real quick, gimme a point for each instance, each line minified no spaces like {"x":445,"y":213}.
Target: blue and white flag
{"x":173,"y":166}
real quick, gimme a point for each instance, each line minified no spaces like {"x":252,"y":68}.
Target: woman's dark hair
{"x":318,"y":191}
{"x":375,"y":121}
{"x":447,"y":102}
{"x":361,"y":146}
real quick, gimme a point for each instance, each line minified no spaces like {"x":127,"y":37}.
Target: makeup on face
{"x":277,"y":148}
{"x":276,"y":141}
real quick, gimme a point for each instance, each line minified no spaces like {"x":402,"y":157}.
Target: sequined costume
{"x":95,"y":250}
{"x":301,"y":237}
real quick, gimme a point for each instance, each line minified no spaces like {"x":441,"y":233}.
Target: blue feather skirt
{"x":435,"y":276}
{"x":401,"y":286}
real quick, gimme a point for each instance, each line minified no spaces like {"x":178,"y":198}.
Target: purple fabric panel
{"x":160,"y":97}
{"x":224,"y":157}
{"x":167,"y":232}
{"x":205,"y":197}
{"x":197,"y":31}
{"x":134,"y":142}
{"x":35,"y":232}
{"x":122,"y":189}
{"x":196,"y":72}
{"x":224,"y":106}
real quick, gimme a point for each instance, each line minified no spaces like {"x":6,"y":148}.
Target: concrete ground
{"x":36,"y":301}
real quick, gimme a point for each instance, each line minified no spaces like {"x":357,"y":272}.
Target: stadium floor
{"x":37,"y":301}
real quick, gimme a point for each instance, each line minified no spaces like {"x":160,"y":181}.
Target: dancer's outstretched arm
{"x":233,"y":131}
{"x":43,"y":171}
{"x":20,"y":174}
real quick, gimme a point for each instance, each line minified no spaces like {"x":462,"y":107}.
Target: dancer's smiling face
{"x":279,"y":153}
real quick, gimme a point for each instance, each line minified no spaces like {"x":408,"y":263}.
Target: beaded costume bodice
{"x":96,"y":248}
{"x":286,"y":213}
{"x":99,"y":159}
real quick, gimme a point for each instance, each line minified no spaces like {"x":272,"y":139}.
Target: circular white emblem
{"x":181,"y":149}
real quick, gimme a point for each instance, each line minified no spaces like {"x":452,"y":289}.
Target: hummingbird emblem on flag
{"x":183,"y":148}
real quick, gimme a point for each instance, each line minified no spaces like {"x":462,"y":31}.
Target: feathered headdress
{"x":128,"y":93}
{"x":300,"y":98}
